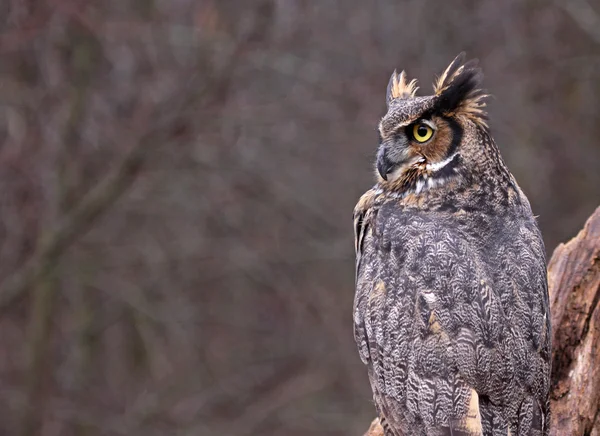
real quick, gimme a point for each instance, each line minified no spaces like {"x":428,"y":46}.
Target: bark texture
{"x":574,"y":283}
{"x":574,"y":286}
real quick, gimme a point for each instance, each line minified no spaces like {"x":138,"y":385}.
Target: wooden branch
{"x":574,"y":282}
{"x":574,"y":286}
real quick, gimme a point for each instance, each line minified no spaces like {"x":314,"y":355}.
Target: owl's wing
{"x":383,"y":323}
{"x":363,"y":214}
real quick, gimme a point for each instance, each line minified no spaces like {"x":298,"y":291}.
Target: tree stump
{"x":574,"y":287}
{"x":574,"y":283}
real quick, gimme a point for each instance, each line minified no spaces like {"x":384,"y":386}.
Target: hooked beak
{"x":384,"y":165}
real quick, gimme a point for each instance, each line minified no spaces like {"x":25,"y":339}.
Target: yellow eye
{"x":422,"y":132}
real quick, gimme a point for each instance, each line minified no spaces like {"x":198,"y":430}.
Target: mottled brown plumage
{"x":451,"y":309}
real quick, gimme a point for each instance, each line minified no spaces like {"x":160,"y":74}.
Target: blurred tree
{"x":176,"y":182}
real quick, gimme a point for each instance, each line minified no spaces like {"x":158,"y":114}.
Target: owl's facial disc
{"x":396,"y":155}
{"x":421,"y":142}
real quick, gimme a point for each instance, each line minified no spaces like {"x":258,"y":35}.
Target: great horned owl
{"x":451,"y":310}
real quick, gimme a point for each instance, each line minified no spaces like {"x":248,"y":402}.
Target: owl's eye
{"x":422,"y":132}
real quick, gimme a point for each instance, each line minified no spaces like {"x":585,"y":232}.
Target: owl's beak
{"x":384,"y":165}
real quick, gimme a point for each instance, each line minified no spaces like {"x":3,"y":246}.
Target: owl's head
{"x":421,"y":137}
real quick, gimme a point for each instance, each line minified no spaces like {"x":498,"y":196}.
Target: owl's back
{"x":451,"y":317}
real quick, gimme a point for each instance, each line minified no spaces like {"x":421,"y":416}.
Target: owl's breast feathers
{"x":451,"y":316}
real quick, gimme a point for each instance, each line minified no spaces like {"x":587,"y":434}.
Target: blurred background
{"x":177,"y":179}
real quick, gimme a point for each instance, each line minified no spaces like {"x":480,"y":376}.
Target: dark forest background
{"x":177,"y":179}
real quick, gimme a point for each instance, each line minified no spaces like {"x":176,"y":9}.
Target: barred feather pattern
{"x":451,"y":310}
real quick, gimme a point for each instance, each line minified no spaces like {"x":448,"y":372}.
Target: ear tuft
{"x":444,"y":80}
{"x":399,"y":88}
{"x":458,"y":91}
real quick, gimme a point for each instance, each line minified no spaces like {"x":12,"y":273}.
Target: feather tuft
{"x":458,"y":92}
{"x":398,"y":87}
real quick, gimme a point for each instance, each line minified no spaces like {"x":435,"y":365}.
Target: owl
{"x":451,"y":311}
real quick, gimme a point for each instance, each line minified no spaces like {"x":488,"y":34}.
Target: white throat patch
{"x":439,"y":165}
{"x":427,"y":181}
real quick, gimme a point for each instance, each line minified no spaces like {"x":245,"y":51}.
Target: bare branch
{"x":584,"y":15}
{"x":76,"y":223}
